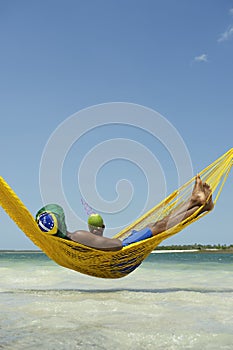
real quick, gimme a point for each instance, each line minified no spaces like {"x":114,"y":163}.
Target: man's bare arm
{"x":94,"y":241}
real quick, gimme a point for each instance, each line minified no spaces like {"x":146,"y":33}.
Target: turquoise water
{"x":172,"y":301}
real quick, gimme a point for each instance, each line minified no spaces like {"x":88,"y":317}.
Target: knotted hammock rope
{"x":114,"y":264}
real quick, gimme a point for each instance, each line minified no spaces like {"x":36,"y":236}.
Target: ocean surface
{"x":172,"y":301}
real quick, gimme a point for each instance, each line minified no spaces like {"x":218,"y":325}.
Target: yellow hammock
{"x":108,"y":264}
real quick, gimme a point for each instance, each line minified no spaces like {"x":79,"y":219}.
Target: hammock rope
{"x":114,"y":264}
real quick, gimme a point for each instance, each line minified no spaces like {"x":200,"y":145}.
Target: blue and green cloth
{"x":51,"y":218}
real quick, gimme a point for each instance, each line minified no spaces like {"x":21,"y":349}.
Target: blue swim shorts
{"x":137,"y":236}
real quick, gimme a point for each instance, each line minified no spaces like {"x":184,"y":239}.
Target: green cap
{"x":95,"y":220}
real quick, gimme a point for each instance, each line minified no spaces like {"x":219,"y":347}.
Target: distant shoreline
{"x":156,"y":251}
{"x":20,"y":251}
{"x":223,"y":251}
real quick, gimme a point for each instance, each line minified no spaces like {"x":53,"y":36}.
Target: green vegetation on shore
{"x":196,"y":246}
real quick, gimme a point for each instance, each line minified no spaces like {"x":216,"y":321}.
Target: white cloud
{"x":201,"y":58}
{"x":227,"y":34}
{"x":231,"y":11}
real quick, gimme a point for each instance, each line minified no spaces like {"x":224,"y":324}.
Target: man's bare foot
{"x":202,"y":195}
{"x":198,"y":196}
{"x":208,"y":193}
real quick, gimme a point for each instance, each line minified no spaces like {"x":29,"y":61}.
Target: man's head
{"x":96,"y":224}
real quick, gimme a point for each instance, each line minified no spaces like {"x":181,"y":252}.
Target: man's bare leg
{"x":201,"y":196}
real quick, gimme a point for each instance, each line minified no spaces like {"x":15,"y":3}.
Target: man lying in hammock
{"x":51,"y":219}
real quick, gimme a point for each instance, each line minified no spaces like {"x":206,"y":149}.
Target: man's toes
{"x":208,"y":194}
{"x":207,"y":188}
{"x":197,"y":182}
{"x":198,"y":178}
{"x":205,"y":185}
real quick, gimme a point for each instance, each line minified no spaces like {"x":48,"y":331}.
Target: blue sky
{"x":60,"y":57}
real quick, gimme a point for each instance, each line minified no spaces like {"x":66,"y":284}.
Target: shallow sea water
{"x":172,"y":301}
